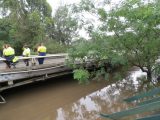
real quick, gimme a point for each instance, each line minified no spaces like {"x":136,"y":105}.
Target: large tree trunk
{"x":148,"y":71}
{"x":149,"y":76}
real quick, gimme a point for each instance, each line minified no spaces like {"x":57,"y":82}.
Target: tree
{"x":64,"y":26}
{"x":136,"y":27}
{"x":135,"y":40}
{"x":27,"y":20}
{"x":102,"y":56}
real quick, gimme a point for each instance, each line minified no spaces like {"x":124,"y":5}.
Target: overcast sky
{"x":55,"y":3}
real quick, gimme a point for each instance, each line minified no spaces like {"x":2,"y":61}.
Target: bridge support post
{"x":3,"y":101}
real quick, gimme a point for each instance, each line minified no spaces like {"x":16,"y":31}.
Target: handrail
{"x":36,"y":56}
{"x":141,"y":95}
{"x":132,"y":111}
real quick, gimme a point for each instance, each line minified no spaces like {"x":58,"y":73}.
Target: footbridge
{"x":54,"y":65}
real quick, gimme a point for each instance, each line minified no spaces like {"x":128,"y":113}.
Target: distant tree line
{"x":31,"y":22}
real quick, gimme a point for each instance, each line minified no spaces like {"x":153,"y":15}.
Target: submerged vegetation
{"x":134,"y":41}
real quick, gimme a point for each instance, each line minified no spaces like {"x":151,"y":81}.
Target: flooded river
{"x":64,"y":99}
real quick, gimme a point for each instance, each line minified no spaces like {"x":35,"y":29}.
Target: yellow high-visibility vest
{"x":4,"y":50}
{"x":9,"y":51}
{"x":42,"y":49}
{"x":15,"y":59}
{"x":26,"y":52}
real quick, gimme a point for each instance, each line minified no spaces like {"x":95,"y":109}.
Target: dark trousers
{"x":26,"y":61}
{"x":41,"y":60}
{"x":9,"y":60}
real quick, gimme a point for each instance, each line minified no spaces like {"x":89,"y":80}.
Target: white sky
{"x":55,"y":3}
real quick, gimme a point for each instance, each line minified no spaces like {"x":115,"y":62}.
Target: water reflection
{"x":106,"y":100}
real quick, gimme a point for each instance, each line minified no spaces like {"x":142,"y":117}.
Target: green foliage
{"x":117,"y":76}
{"x":135,"y":40}
{"x":102,"y":13}
{"x":106,"y":76}
{"x":23,"y":22}
{"x":65,"y":26}
{"x":99,"y":51}
{"x":135,"y":25}
{"x":1,"y":45}
{"x":55,"y":47}
{"x":86,"y":5}
{"x":101,"y":73}
{"x":78,"y":52}
{"x":81,"y":75}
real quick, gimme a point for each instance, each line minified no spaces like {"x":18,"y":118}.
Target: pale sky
{"x":55,"y":3}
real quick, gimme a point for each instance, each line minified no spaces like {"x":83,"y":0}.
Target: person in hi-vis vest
{"x":26,"y":53}
{"x":41,"y":52}
{"x":9,"y":55}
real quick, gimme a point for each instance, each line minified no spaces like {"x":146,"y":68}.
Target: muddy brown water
{"x":64,"y":99}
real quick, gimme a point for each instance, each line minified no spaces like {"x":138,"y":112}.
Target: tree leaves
{"x":81,"y":75}
{"x":135,"y":41}
{"x":26,"y":21}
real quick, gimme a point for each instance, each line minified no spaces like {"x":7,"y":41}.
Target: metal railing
{"x":36,"y":56}
{"x":33,"y":58}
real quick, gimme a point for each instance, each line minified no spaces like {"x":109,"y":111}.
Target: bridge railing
{"x":33,"y":58}
{"x":13,"y":78}
{"x":36,"y":56}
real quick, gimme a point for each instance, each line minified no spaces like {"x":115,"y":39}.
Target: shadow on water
{"x":63,"y":99}
{"x":38,"y":85}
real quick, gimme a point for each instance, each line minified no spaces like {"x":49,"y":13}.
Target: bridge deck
{"x":48,"y":62}
{"x":52,"y":59}
{"x":54,"y":65}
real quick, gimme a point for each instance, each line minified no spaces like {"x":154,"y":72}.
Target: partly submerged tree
{"x":135,"y":25}
{"x":103,"y":59}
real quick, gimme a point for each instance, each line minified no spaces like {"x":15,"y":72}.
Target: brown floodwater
{"x":64,"y":99}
